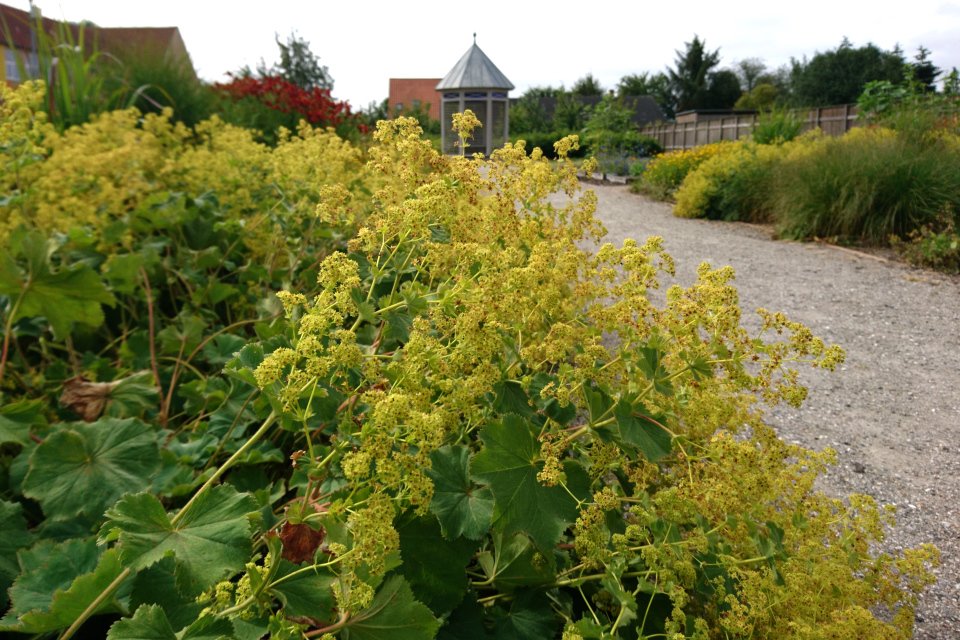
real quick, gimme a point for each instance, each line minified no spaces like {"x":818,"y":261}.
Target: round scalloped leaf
{"x":211,"y":538}
{"x":86,"y":468}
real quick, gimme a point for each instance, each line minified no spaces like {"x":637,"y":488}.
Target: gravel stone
{"x":892,"y":411}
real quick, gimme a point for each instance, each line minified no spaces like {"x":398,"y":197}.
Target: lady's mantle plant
{"x":501,"y":436}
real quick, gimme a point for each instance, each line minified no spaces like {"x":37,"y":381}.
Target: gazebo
{"x":475,"y":83}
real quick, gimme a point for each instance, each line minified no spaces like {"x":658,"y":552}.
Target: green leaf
{"x":509,"y":464}
{"x":465,"y":622}
{"x":48,"y":568}
{"x":209,"y":628}
{"x":515,"y":562}
{"x":86,"y":468}
{"x":305,"y":595}
{"x":223,"y":348}
{"x":398,"y":325}
{"x":156,"y":585}
{"x":511,"y":398}
{"x":122,"y":271}
{"x":63,"y":606}
{"x":149,"y":622}
{"x":642,"y":431}
{"x":17,"y":418}
{"x":530,"y":616}
{"x":393,"y":615}
{"x":133,"y":394}
{"x":462,"y":507}
{"x":185,"y":335}
{"x":551,"y":406}
{"x":212,"y":537}
{"x":72,"y":294}
{"x":434,"y":566}
{"x":13,"y":537}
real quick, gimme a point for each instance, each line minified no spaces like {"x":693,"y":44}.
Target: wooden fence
{"x":833,"y":121}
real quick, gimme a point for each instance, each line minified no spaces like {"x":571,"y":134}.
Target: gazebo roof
{"x":474,"y":71}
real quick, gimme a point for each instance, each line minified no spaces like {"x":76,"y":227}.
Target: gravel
{"x":892,"y":412}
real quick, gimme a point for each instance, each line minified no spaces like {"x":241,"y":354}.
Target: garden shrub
{"x":423,"y":433}
{"x":97,"y":173}
{"x":739,"y":183}
{"x":935,"y":245}
{"x":867,"y":185}
{"x":777,"y":126}
{"x":545,"y":142}
{"x":666,"y":172}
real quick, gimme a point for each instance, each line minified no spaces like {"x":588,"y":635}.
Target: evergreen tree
{"x":723,"y":90}
{"x":839,"y":76}
{"x":924,"y":71}
{"x":587,"y":86}
{"x":655,"y":85}
{"x":690,"y":78}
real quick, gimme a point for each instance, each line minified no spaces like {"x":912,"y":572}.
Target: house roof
{"x":16,"y":24}
{"x":150,"y":41}
{"x":474,"y":71}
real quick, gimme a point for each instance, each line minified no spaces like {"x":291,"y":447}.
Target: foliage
{"x":740,"y":182}
{"x":656,"y":85}
{"x":99,"y":174}
{"x":374,"y":112}
{"x":421,"y":113}
{"x":690,"y":77}
{"x":723,"y":89}
{"x":868,"y":185}
{"x":666,"y":172}
{"x":424,"y":426}
{"x":910,"y":108}
{"x":269,"y":103}
{"x":569,"y":113}
{"x":762,"y":96}
{"x":924,"y":71}
{"x":587,"y":86}
{"x":935,"y":245}
{"x":838,"y":76}
{"x":749,"y":72}
{"x":777,"y":126}
{"x":82,"y":81}
{"x":545,"y":142}
{"x":528,"y":116}
{"x":298,"y":65}
{"x":168,"y":82}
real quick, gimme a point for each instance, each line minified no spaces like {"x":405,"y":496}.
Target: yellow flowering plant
{"x":489,"y":430}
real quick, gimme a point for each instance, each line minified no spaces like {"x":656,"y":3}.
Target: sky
{"x":364,"y":44}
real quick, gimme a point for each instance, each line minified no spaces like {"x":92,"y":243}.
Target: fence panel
{"x":833,"y":121}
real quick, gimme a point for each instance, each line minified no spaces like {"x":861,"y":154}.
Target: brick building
{"x":406,"y":94}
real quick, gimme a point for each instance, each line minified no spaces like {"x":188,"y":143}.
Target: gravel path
{"x":892,"y":413}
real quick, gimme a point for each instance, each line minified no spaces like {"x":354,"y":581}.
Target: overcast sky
{"x":366,"y":43}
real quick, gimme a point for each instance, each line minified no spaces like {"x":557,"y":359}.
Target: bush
{"x":868,"y":185}
{"x":617,"y":151}
{"x":777,"y":126}
{"x":935,"y":245}
{"x":738,"y":184}
{"x":545,"y":142}
{"x":665,"y":173}
{"x":365,"y":431}
{"x":167,"y":82}
{"x":266,"y":104}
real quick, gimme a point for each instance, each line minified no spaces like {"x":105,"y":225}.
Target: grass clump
{"x":866,"y":186}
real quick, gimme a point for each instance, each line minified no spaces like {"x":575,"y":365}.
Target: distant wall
{"x":405,"y":90}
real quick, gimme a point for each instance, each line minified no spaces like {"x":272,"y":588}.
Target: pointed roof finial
{"x":474,"y":37}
